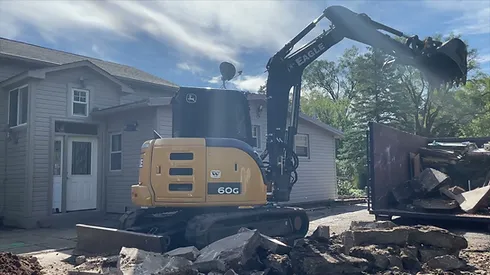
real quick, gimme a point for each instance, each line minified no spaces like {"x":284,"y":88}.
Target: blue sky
{"x":185,"y":41}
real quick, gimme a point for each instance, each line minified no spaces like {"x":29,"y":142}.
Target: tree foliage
{"x":357,"y":88}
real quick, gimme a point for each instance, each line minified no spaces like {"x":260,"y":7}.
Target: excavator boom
{"x":439,"y":62}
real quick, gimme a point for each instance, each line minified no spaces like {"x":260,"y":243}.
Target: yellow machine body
{"x":187,"y":172}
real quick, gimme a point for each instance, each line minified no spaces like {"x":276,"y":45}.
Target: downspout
{"x":4,"y":181}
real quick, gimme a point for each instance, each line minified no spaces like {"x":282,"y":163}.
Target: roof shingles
{"x":33,"y":52}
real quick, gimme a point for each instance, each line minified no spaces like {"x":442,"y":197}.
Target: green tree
{"x":430,"y":110}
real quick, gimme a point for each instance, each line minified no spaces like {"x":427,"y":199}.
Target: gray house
{"x":71,"y":128}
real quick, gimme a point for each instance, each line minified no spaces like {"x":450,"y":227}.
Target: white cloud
{"x":471,"y":17}
{"x":194,"y":69}
{"x":249,"y":83}
{"x":7,"y":27}
{"x":217,"y":30}
{"x":483,"y":59}
{"x":215,"y":80}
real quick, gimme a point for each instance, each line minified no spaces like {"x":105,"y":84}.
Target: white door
{"x":57,"y":174}
{"x":81,"y":185}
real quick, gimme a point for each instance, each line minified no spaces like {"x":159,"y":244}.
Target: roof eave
{"x":22,"y":76}
{"x":31,"y":60}
{"x":152,"y":84}
{"x":150,"y":102}
{"x":119,"y":108}
{"x":124,"y":88}
{"x":335,"y":132}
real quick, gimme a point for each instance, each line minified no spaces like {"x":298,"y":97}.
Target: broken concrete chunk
{"x":299,"y":242}
{"x":230,"y":272}
{"x":437,"y":237}
{"x":80,"y":260}
{"x":452,"y":192}
{"x":404,"y":192}
{"x":473,"y":200}
{"x":190,"y":252}
{"x":326,"y":264}
{"x":445,"y":262}
{"x":280,"y":264}
{"x":426,"y":254}
{"x":431,"y":179}
{"x":395,"y":261}
{"x":312,"y":260}
{"x":379,"y":258}
{"x":321,"y":233}
{"x":360,"y":225}
{"x":133,"y":261}
{"x":271,"y":244}
{"x":409,"y":258}
{"x":262,"y":272}
{"x":99,"y":265}
{"x":396,"y":236}
{"x":231,"y":252}
{"x":436,"y":204}
{"x":456,"y":190}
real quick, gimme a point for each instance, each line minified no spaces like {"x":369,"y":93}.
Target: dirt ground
{"x":339,"y":219}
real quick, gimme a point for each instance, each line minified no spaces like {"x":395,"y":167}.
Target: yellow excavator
{"x":206,"y":181}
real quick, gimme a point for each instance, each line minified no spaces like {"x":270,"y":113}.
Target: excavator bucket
{"x":449,"y":62}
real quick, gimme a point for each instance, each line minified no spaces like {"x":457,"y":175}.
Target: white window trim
{"x":307,"y":148}
{"x":19,"y":103}
{"x":115,"y":152}
{"x":259,"y":141}
{"x":86,"y":103}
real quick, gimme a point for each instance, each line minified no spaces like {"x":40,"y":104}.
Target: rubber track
{"x":198,"y":227}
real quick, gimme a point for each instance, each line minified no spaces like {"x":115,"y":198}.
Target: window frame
{"x":19,"y":106}
{"x":308,"y":151}
{"x":87,"y":103}
{"x":115,"y":152}
{"x":259,"y":141}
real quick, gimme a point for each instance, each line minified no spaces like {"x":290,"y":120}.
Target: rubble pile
{"x":448,"y":178}
{"x":19,"y":265}
{"x":366,"y":248}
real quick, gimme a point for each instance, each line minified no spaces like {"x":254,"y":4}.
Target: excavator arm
{"x":440,"y":62}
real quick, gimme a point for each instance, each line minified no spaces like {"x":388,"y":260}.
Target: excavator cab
{"x":211,"y":113}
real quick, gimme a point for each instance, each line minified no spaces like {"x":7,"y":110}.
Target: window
{"x":256,"y":135}
{"x":80,"y":102}
{"x":18,"y":106}
{"x":116,"y":152}
{"x":302,"y":145}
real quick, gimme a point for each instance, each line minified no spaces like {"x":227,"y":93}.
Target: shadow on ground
{"x":335,"y":210}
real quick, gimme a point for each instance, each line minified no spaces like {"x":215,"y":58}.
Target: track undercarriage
{"x":200,"y":227}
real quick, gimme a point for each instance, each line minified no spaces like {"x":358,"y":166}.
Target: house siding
{"x":118,"y":183}
{"x":52,"y":101}
{"x":13,"y":159}
{"x":164,"y":121}
{"x":317,"y":176}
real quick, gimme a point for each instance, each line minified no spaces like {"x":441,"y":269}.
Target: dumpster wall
{"x":389,"y":161}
